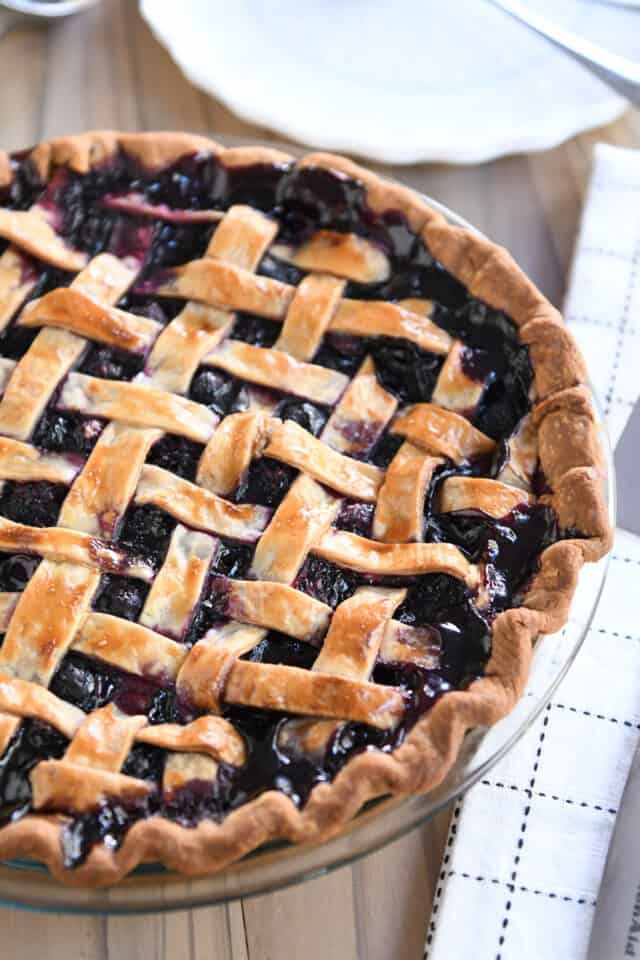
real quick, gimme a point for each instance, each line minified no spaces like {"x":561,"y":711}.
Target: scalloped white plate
{"x":398,"y":81}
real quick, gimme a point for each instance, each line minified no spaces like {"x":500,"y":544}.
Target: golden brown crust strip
{"x":294,"y":445}
{"x":72,"y":310}
{"x":198,"y":507}
{"x":394,"y":559}
{"x":305,"y":513}
{"x":29,"y":231}
{"x":227,"y":286}
{"x":211,"y":735}
{"x":399,"y":515}
{"x":278,"y":371}
{"x":278,"y":607}
{"x":62,"y":785}
{"x":130,"y":646}
{"x":35,"y":645}
{"x":341,"y":254}
{"x":68,"y":546}
{"x":379,"y":318}
{"x":138,"y":405}
{"x":441,"y":432}
{"x":478,"y":493}
{"x":239,"y":438}
{"x":21,"y":461}
{"x":23,"y":698}
{"x":274,"y":687}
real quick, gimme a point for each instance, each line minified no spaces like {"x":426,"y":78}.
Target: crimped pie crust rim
{"x":431,"y":748}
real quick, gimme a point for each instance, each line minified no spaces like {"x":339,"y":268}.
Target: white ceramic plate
{"x":398,"y":81}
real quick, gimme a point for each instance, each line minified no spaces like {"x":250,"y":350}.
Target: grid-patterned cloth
{"x":527,"y":889}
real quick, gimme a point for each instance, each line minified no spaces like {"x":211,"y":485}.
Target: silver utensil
{"x":14,"y":13}
{"x":618,"y":72}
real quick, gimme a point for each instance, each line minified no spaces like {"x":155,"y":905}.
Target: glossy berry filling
{"x":302,"y":201}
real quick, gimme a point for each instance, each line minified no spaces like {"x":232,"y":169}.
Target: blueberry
{"x":266,"y":483}
{"x":341,"y":352}
{"x":35,"y":503}
{"x":279,"y":648}
{"x":144,"y":762}
{"x":84,"y":683}
{"x":430,"y":599}
{"x":146,"y":530}
{"x":256,"y":330}
{"x":326,"y":582}
{"x":121,"y":596}
{"x":67,"y":432}
{"x":356,"y":517}
{"x":111,"y":364}
{"x":16,"y":570}
{"x":233,"y":559}
{"x":218,"y":390}
{"x":307,"y":415}
{"x":405,"y":369}
{"x":177,"y":454}
{"x":386,"y":449}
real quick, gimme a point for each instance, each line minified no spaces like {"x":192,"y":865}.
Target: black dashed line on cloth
{"x":622,"y":325}
{"x":616,"y":556}
{"x":614,"y":633}
{"x":591,"y":321}
{"x":548,"y":796}
{"x":523,"y":829}
{"x":596,"y":716}
{"x":565,"y":898}
{"x":453,"y":830}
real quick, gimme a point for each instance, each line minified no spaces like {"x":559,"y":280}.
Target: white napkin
{"x":527,"y":845}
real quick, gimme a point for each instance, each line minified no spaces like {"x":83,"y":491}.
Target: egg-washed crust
{"x":572,"y":461}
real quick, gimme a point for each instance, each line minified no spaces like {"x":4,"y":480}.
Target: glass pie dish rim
{"x":152,"y":888}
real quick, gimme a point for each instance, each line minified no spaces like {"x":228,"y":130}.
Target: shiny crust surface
{"x":562,"y":412}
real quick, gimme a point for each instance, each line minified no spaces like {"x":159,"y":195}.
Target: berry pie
{"x":292,"y":474}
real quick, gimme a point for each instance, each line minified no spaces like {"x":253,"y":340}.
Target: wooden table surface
{"x":105,"y":70}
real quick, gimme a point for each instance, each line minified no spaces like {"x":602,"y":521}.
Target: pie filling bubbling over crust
{"x":270,"y":476}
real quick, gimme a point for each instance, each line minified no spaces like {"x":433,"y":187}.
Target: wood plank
{"x":23,"y":55}
{"x":314,"y":920}
{"x":111,"y":94}
{"x":32,"y":936}
{"x":166,"y":100}
{"x":391,"y":919}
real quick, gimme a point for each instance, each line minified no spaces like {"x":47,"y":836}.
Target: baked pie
{"x":292,"y":474}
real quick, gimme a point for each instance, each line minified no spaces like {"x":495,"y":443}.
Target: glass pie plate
{"x":151,"y":887}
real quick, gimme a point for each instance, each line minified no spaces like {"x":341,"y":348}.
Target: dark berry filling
{"x":111,"y":364}
{"x":220,"y":391}
{"x":341,"y":352}
{"x":146,"y":531}
{"x":356,"y":517}
{"x":16,"y":569}
{"x":256,"y":330}
{"x":233,"y":559}
{"x":266,"y":482}
{"x":32,"y":741}
{"x":120,"y":596}
{"x":306,"y":414}
{"x":326,"y":582}
{"x":407,"y":371}
{"x":35,"y":503}
{"x":67,"y":432}
{"x":177,"y":454}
